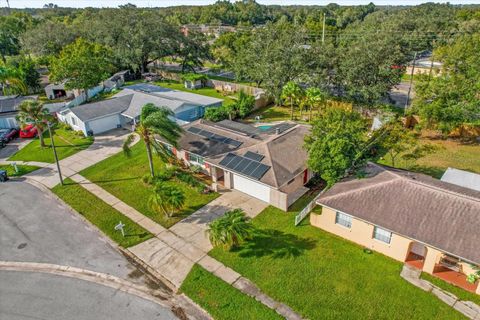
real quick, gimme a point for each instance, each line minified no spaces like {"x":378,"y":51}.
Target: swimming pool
{"x":265,"y":127}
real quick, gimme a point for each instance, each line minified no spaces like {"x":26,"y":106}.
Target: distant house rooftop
{"x":9,"y":104}
{"x":462,"y":178}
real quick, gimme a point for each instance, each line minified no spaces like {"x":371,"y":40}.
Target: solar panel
{"x":193,"y":130}
{"x":232,"y":142}
{"x":253,"y":156}
{"x":218,"y":138}
{"x":226,"y":160}
{"x":248,"y":167}
{"x":206,"y":134}
{"x":260,"y":171}
{"x":242,"y":164}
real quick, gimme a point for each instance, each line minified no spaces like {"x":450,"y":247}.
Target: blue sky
{"x":166,"y":3}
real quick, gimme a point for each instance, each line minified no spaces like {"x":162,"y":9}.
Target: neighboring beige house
{"x":268,"y":163}
{"x":410,"y":217}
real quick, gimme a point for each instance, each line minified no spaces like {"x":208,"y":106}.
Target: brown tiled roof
{"x":414,"y":205}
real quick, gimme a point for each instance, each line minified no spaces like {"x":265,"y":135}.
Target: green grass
{"x":101,"y":214}
{"x":221,"y":300}
{"x":67,"y":143}
{"x":210,"y":92}
{"x":22,"y":169}
{"x":121,"y":176}
{"x":449,"y":153}
{"x":323,"y":276}
{"x":459,"y":292}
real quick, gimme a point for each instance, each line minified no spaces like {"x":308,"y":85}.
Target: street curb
{"x":104,"y":279}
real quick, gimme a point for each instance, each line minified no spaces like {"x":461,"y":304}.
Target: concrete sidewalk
{"x":172,"y":253}
{"x":104,"y":146}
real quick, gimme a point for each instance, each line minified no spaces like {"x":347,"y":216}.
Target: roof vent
{"x":277,"y":130}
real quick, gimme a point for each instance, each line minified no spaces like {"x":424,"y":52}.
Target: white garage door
{"x":104,"y":124}
{"x":251,"y":187}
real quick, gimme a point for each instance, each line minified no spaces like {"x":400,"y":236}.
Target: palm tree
{"x":293,"y":92}
{"x":167,"y":199}
{"x":11,"y":81}
{"x":155,"y":121}
{"x":314,"y":97}
{"x":230,"y":230}
{"x":32,"y":112}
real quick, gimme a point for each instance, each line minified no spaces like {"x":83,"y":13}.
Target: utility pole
{"x":323,"y":29}
{"x":411,"y":82}
{"x":55,"y":152}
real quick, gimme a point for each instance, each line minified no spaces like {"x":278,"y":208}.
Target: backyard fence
{"x":305,"y":211}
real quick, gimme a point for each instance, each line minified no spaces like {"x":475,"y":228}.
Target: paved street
{"x":36,"y":228}
{"x":25,"y":295}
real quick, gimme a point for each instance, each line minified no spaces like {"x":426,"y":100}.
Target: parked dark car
{"x":7,"y":135}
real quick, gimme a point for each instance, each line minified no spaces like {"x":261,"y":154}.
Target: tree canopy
{"x":337,"y":143}
{"x":81,"y":64}
{"x":451,"y":99}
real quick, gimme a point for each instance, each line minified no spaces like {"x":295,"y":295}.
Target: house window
{"x":74,"y":122}
{"x":169,"y":149}
{"x":195,"y":158}
{"x":382,"y":235}
{"x":343,"y":220}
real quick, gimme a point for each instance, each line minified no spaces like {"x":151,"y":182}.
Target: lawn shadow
{"x":113,"y":180}
{"x":275,"y":243}
{"x":140,"y":235}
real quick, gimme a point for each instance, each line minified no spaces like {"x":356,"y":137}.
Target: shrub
{"x":245,"y":104}
{"x":231,"y":230}
{"x":188,"y":179}
{"x":215,"y":114}
{"x":196,"y":169}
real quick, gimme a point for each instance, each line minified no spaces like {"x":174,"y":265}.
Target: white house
{"x":124,"y":109}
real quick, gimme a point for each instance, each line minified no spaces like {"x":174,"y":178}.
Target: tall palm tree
{"x":32,"y":112}
{"x":315,"y":97}
{"x":167,"y":199}
{"x":293,"y":92}
{"x":230,"y":230}
{"x":11,"y":81}
{"x":155,"y":121}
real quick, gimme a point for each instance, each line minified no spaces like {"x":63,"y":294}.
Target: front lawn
{"x":221,"y":300}
{"x":121,"y":176}
{"x":22,"y":169}
{"x":448,"y":153}
{"x":101,"y":214}
{"x":67,"y":143}
{"x":323,"y":276}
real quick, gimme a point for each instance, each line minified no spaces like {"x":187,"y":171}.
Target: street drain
{"x":22,"y":245}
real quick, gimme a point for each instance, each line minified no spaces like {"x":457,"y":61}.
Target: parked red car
{"x":28,"y":132}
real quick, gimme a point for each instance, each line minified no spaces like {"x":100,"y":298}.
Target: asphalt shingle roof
{"x":414,"y":205}
{"x":103,"y":108}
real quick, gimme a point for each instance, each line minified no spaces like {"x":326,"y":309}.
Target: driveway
{"x":193,"y":228}
{"x":12,"y":147}
{"x":26,"y":295}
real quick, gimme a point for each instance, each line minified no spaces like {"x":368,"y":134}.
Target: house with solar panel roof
{"x":268,"y":162}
